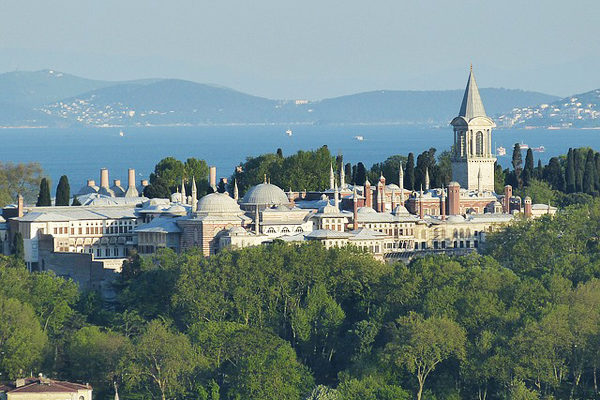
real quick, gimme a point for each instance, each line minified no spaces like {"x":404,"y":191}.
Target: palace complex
{"x":90,"y":242}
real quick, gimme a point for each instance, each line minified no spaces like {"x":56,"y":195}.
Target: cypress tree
{"x":539,"y":171}
{"x":553,"y":175}
{"x":44,"y":194}
{"x":517,"y":164}
{"x":579,"y":169}
{"x":570,"y":173}
{"x":588,"y":174}
{"x":17,"y":246}
{"x":76,"y":201}
{"x":361,"y":174}
{"x":63,"y":192}
{"x":529,"y":162}
{"x":597,"y":163}
{"x":354,"y":167}
{"x":409,"y":173}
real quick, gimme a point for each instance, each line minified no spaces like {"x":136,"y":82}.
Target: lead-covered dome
{"x":218,"y":203}
{"x":265,"y":194}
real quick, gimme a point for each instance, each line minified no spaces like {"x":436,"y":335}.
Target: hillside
{"x":51,"y":98}
{"x":577,"y":111}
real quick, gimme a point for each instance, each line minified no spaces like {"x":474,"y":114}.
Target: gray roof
{"x":366,"y":234}
{"x":218,"y":203}
{"x":327,"y":234}
{"x":64,"y":214}
{"x":471,"y":106}
{"x":161,"y":225}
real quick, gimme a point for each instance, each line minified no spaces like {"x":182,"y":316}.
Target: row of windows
{"x":285,"y":229}
{"x":93,"y":230}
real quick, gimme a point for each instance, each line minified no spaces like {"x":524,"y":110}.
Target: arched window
{"x":479,"y":143}
{"x":285,"y":230}
{"x":299,"y":229}
{"x":271,"y":230}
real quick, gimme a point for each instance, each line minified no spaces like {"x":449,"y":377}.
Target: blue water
{"x":80,"y":153}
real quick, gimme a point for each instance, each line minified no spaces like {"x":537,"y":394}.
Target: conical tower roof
{"x":471,"y":106}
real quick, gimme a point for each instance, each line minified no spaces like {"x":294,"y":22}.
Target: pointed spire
{"x":183,"y":195}
{"x":426,"y":178}
{"x":342,"y":177}
{"x":336,"y":198}
{"x":265,"y":179}
{"x":331,"y":176}
{"x":471,"y":106}
{"x":194,"y":195}
{"x":354,"y":194}
{"x":236,"y":193}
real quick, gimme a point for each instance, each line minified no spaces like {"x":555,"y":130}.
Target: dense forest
{"x":520,"y":321}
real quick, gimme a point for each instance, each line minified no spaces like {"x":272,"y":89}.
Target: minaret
{"x":194,"y":195}
{"x":401,"y":184}
{"x":342,"y":177}
{"x":421,"y":211}
{"x":426,"y":178}
{"x":355,"y":209}
{"x":331,"y":177}
{"x":183,"y":195}
{"x":236,"y":192}
{"x":479,"y":186}
{"x":336,"y":199}
{"x":443,"y":204}
{"x":472,"y":150}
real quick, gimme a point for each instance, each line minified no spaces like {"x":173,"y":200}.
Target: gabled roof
{"x":44,"y":385}
{"x":471,"y":106}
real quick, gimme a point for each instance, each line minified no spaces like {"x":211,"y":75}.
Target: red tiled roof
{"x":36,"y":385}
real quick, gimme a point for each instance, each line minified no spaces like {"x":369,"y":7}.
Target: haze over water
{"x":80,"y":153}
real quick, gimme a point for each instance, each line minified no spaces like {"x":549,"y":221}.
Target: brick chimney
{"x":212,"y":176}
{"x":453,"y":198}
{"x":368,"y":195}
{"x":104,"y":178}
{"x":528,"y":212}
{"x":20,"y":206}
{"x":507,"y":196}
{"x":443,"y":205}
{"x":355,"y":209}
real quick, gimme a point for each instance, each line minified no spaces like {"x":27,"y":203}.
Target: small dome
{"x":329,"y":209}
{"x":400,"y":210}
{"x":216,"y":203}
{"x":265,"y":194}
{"x":366,"y":210}
{"x":392,"y":186}
{"x":237,"y":231}
{"x":456,"y":219}
{"x":177,"y":209}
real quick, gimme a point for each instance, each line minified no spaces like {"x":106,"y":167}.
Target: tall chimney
{"x":117,"y":182}
{"x":104,"y":178}
{"x":528,"y":207}
{"x":507,"y":197}
{"x":453,"y":198}
{"x":131,"y":177}
{"x":443,"y":205}
{"x":212,"y":176}
{"x":91,"y":182}
{"x":355,"y":209}
{"x":20,"y":206}
{"x":368,"y":195}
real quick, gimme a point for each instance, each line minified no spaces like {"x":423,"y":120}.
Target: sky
{"x":311,"y":49}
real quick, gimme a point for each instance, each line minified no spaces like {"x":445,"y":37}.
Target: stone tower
{"x":472,"y":151}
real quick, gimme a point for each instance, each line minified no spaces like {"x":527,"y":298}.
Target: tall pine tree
{"x":570,"y":172}
{"x":553,"y":175}
{"x":361,"y":174}
{"x":44,"y":194}
{"x":539,"y":171}
{"x":18,"y":248}
{"x":517,"y":164}
{"x":528,"y":172}
{"x":63,"y":192}
{"x":579,"y":160}
{"x":409,"y":173}
{"x":589,"y":177}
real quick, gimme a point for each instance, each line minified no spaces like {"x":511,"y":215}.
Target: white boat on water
{"x":121,"y":133}
{"x":539,"y":149}
{"x":289,"y":132}
{"x":500,"y":151}
{"x":359,"y":138}
{"x":523,"y":146}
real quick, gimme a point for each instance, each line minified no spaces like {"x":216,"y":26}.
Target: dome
{"x":265,"y":194}
{"x":400,"y":210}
{"x":329,"y":209}
{"x":366,"y":210}
{"x":218,"y":203}
{"x":237,"y":231}
{"x":177,"y":209}
{"x":456,"y":219}
{"x":392,"y":186}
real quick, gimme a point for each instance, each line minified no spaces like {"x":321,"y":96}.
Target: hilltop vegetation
{"x":521,"y":321}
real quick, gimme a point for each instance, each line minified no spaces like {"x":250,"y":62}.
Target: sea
{"x":81,"y":153}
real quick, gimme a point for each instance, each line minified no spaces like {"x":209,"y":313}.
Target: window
{"x":271,"y":230}
{"x":479,"y":143}
{"x":285,"y":230}
{"x":299,"y":229}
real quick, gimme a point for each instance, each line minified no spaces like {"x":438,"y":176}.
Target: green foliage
{"x":370,"y":388}
{"x":44,"y":194}
{"x":17,"y":247}
{"x":170,"y":172}
{"x":409,"y":174}
{"x":15,"y":179}
{"x":76,"y":201}
{"x":21,"y":338}
{"x":540,"y":192}
{"x":63,"y":192}
{"x":304,"y":170}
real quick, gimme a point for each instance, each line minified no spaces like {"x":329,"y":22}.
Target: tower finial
{"x":265,"y":178}
{"x":471,"y":67}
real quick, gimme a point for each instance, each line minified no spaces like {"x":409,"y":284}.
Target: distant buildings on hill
{"x":90,"y":242}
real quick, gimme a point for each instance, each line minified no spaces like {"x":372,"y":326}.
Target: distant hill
{"x":57,"y":99}
{"x":577,"y":111}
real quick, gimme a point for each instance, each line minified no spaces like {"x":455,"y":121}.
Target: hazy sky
{"x":311,"y":48}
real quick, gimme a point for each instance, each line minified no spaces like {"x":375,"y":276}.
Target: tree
{"x":409,"y":174}
{"x":76,"y":201}
{"x":18,"y":248}
{"x":361,"y":174}
{"x":517,"y":164}
{"x":159,"y":362}
{"x":570,"y":173}
{"x":94,"y":356}
{"x":15,"y":179}
{"x":21,"y":338}
{"x":370,"y":388}
{"x":348,"y":172}
{"x":528,"y":171}
{"x":589,"y":175}
{"x":44,"y":194}
{"x":420,"y":344}
{"x":63,"y":192}
{"x":499,"y":178}
{"x":539,"y":170}
{"x":553,"y":175}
